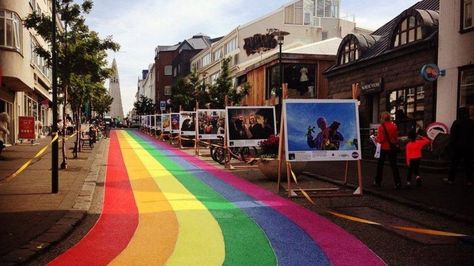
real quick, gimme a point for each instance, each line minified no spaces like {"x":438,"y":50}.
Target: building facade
{"x":382,"y":69}
{"x":306,"y":21}
{"x":147,"y":84}
{"x":456,"y":58}
{"x":25,"y":77}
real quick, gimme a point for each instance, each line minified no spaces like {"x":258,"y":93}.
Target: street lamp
{"x":280,"y":39}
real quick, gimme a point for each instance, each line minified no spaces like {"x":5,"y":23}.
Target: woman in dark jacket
{"x":462,"y":145}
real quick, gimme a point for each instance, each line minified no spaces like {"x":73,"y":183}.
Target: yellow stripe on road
{"x":157,"y":231}
{"x":199,"y":235}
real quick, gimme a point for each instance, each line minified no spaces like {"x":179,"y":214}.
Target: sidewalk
{"x":31,"y":217}
{"x":453,"y":201}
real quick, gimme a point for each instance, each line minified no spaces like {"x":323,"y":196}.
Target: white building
{"x":456,"y":57}
{"x":25,"y":76}
{"x":146,"y":85}
{"x":116,"y":109}
{"x":306,"y":21}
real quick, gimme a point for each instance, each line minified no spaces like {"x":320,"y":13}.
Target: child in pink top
{"x":413,"y":155}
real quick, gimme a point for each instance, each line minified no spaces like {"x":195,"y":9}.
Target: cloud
{"x":141,"y":25}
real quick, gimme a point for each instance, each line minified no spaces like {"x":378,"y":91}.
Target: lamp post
{"x":280,"y":35}
{"x":54,"y":146}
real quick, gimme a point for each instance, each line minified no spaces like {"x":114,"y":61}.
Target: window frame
{"x":403,"y":30}
{"x":462,"y":28}
{"x":417,"y":101}
{"x":168,"y":70}
{"x":16,"y":31}
{"x":460,"y":77}
{"x":352,"y":52}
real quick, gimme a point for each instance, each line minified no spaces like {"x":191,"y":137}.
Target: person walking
{"x":413,"y":155}
{"x":4,"y":120}
{"x":462,"y":145}
{"x":387,"y":136}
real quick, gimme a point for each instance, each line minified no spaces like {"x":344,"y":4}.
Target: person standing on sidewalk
{"x":462,"y":145}
{"x":387,"y":136}
{"x":413,"y":154}
{"x":4,"y":120}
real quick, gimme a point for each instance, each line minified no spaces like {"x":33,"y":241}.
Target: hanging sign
{"x":430,"y":72}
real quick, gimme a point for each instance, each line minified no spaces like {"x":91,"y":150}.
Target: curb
{"x":410,"y":203}
{"x":64,"y":226}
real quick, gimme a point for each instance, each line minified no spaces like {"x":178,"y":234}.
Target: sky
{"x":141,"y":25}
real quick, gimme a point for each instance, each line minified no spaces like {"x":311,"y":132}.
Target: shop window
{"x":10,"y":30}
{"x":467,"y":9}
{"x":409,"y":30}
{"x":407,"y":106}
{"x":349,"y":52}
{"x":466,"y":86}
{"x":301,"y":80}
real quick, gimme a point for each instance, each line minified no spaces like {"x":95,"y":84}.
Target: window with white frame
{"x":168,"y":70}
{"x":167,"y":90}
{"x":10,"y":30}
{"x":467,"y":9}
{"x":231,"y":46}
{"x":206,"y":60}
{"x":218,"y":54}
{"x":214,"y":78}
{"x":326,"y":8}
{"x":294,"y":13}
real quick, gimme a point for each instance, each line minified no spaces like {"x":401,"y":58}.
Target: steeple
{"x":116,"y":109}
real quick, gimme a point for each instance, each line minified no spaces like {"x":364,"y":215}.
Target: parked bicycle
{"x":243,"y":154}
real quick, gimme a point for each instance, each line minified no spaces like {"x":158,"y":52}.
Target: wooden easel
{"x":290,"y":175}
{"x":228,"y":165}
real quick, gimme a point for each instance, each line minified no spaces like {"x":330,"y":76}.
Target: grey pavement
{"x":32,"y":219}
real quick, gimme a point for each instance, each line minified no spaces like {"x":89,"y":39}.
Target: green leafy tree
{"x":188,"y":90}
{"x":144,"y":106}
{"x":81,"y":57}
{"x":223,"y":87}
{"x":102,"y":103}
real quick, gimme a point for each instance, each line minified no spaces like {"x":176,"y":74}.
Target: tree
{"x":81,"y":57}
{"x":144,"y":106}
{"x":223,"y":87}
{"x":187,"y":91}
{"x":102,"y":104}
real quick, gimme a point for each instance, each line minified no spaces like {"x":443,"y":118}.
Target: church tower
{"x":116,"y":109}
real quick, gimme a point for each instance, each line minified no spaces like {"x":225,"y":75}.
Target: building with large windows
{"x":383,"y":69}
{"x":306,"y":21}
{"x":25,"y":76}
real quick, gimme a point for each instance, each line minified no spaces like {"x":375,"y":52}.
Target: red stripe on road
{"x":117,"y":223}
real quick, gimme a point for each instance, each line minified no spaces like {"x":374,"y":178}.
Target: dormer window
{"x":350,"y":52}
{"x":409,"y":30}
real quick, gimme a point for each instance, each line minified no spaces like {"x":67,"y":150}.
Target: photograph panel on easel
{"x":158,"y":122}
{"x":248,"y":125}
{"x":175,"y":123}
{"x":210,"y":123}
{"x":187,"y":122}
{"x":166,"y":123}
{"x":321,"y":130}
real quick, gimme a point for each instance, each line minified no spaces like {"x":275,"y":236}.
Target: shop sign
{"x":371,"y":86}
{"x":27,"y":127}
{"x":430,"y":72}
{"x":259,"y":42}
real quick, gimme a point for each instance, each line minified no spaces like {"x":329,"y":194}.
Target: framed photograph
{"x":175,"y":123}
{"x":158,"y":122}
{"x":321,"y":130}
{"x":166,"y":123}
{"x":152,"y":122}
{"x":210,"y":123}
{"x":187,"y":122}
{"x":248,"y":125}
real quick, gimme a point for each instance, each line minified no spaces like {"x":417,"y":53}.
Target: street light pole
{"x":54,"y":146}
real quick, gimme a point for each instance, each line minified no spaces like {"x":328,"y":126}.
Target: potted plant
{"x":268,"y":159}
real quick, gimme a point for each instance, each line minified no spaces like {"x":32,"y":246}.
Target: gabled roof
{"x":379,"y":42}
